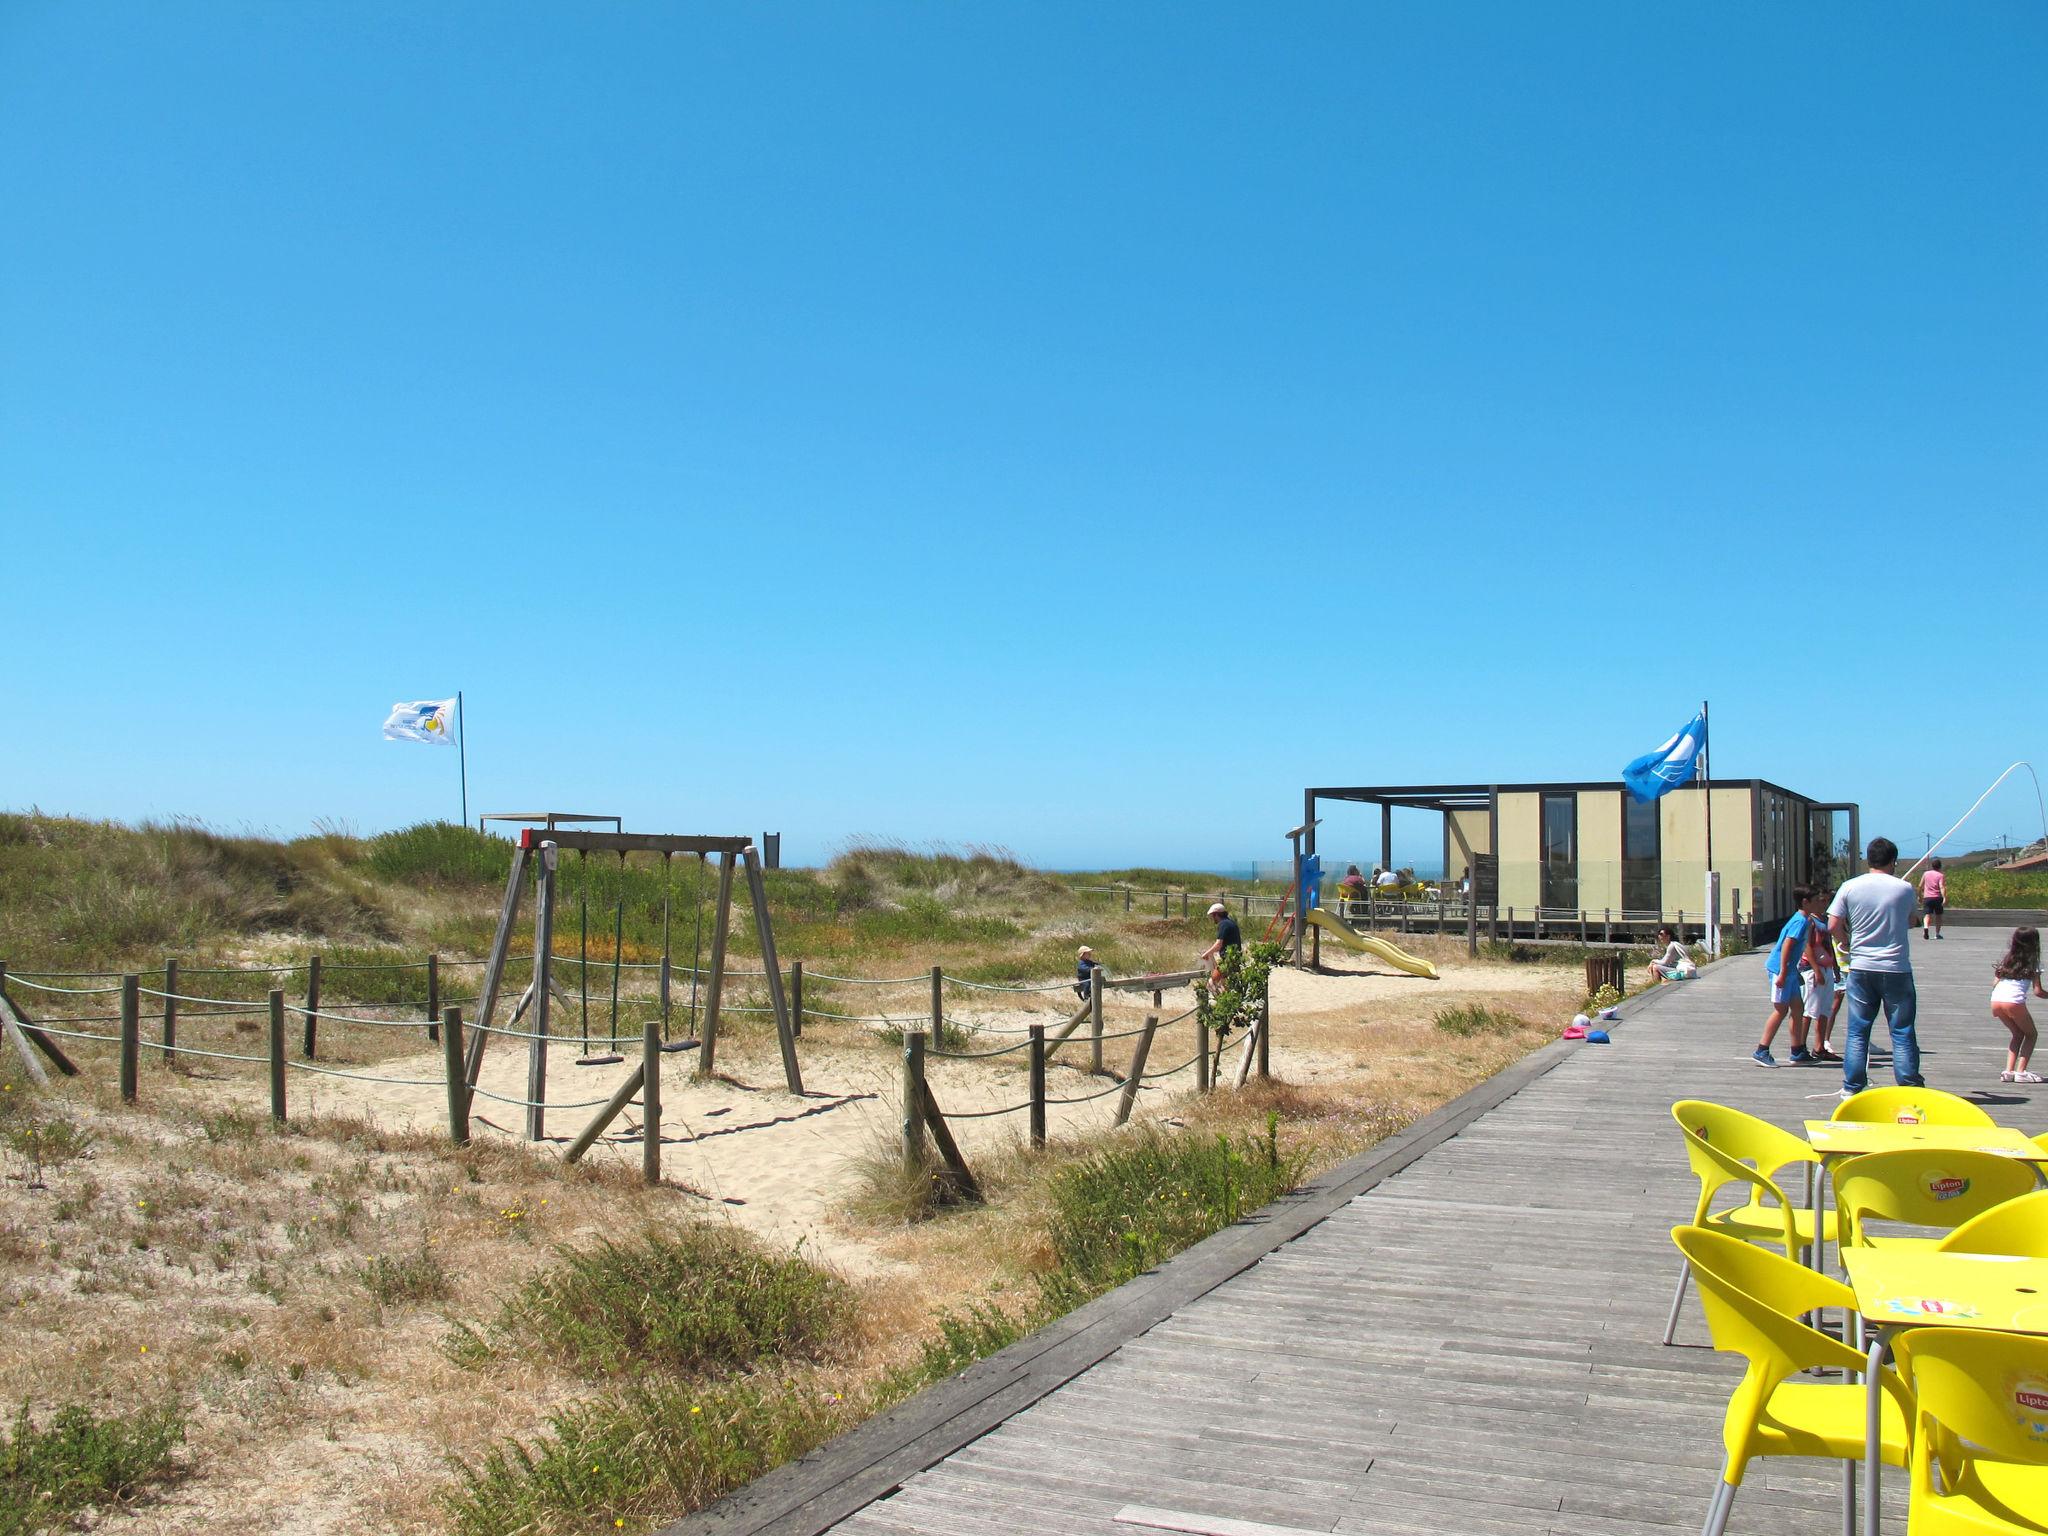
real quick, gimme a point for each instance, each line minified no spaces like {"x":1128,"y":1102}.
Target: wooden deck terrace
{"x":1454,"y":1334}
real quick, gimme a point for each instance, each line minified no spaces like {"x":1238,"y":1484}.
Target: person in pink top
{"x":1933,"y":897}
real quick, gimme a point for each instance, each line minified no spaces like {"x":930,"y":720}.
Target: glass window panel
{"x":1561,"y":851}
{"x":1642,"y":858}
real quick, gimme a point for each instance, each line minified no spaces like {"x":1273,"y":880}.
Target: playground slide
{"x":1351,"y":938}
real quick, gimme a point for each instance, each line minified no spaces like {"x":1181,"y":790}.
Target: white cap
{"x":1085,"y":952}
{"x":1217,"y":909}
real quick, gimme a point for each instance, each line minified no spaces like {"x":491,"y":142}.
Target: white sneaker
{"x":2029,"y":1077}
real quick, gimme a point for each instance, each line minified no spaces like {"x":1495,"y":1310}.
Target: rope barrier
{"x":1084,"y":1098}
{"x":78,"y":1034}
{"x":853,"y":1018}
{"x":363,"y":1077}
{"x":182,"y":1049}
{"x":1146,"y":1077}
{"x":992,"y":986}
{"x":1001,"y":1050}
{"x":70,"y":991}
{"x":990,"y":1114}
{"x":866,"y":981}
{"x":543,"y":1104}
{"x":182,"y":997}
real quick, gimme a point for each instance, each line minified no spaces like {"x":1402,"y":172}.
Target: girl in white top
{"x":2019,"y":975}
{"x":1674,"y":964}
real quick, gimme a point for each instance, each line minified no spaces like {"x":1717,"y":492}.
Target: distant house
{"x":1566,"y":849}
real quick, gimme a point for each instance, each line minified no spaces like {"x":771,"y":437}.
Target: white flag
{"x":424,"y":720}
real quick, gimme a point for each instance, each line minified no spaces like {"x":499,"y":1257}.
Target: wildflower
{"x":145,"y":1349}
{"x":695,"y":1409}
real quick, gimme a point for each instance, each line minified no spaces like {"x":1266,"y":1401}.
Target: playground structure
{"x":539,"y":851}
{"x":1369,"y":944}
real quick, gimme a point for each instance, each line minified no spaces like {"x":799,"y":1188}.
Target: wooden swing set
{"x":538,"y":852}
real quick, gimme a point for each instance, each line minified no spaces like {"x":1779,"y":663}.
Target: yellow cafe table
{"x":1906,"y":1288}
{"x":1836,"y":1140}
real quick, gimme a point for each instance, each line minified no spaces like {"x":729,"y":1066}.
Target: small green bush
{"x":441,"y":853}
{"x":698,"y":1298}
{"x":78,"y":1460}
{"x":1122,"y":1209}
{"x":636,"y":1455}
{"x":964,"y":1337}
{"x":1477,"y":1019}
{"x":414,"y":1277}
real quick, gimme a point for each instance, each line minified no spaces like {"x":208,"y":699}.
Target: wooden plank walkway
{"x":1467,"y":1347}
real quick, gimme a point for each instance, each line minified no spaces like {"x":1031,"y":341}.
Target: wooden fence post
{"x":1038,"y":1085}
{"x":1265,"y":1028}
{"x":796,"y":997}
{"x":1201,"y":1052}
{"x":1095,"y":990}
{"x":938,"y":1009}
{"x":131,"y":1035}
{"x":458,"y":1080}
{"x":170,"y":1011}
{"x":1582,"y":925}
{"x":1127,"y":898}
{"x":277,"y":1054}
{"x":433,"y":997}
{"x":1472,"y":923}
{"x":312,"y":1003}
{"x":1166,"y":903}
{"x":1607,"y":925}
{"x":913,"y":1103}
{"x":1135,"y":1078}
{"x":650,"y":1096}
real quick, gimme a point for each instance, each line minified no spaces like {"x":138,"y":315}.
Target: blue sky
{"x":1071,"y":427}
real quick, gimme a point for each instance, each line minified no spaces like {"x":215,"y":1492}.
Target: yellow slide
{"x":1351,"y":938}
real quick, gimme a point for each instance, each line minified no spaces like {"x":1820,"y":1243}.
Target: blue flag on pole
{"x":1656,"y":774}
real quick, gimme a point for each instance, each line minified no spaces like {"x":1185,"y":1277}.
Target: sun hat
{"x":1085,"y":952}
{"x":1217,"y":909}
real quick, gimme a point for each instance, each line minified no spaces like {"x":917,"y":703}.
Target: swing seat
{"x":680,"y":1045}
{"x":600,"y":1059}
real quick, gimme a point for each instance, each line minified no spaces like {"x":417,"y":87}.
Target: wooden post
{"x":1183,"y":903}
{"x":277,"y":1054}
{"x":1472,"y":921}
{"x":1607,"y":925}
{"x":543,"y":995}
{"x":170,"y":1011}
{"x":771,"y":970}
{"x":714,"y":984}
{"x":796,"y":997}
{"x":1038,"y":1085}
{"x":1165,"y":903}
{"x":913,"y":1103}
{"x":621,"y":1097}
{"x":433,"y":997}
{"x":650,"y":1098}
{"x":131,"y":1036}
{"x":1201,"y":1052}
{"x":1511,"y":925}
{"x":312,"y":1003}
{"x":938,"y":1009}
{"x":458,"y":1085}
{"x":494,"y":970}
{"x":1136,"y":1076}
{"x":22,"y":1031}
{"x":1582,"y":925}
{"x":1127,"y":898}
{"x":1265,"y":1028}
{"x":1095,"y":990}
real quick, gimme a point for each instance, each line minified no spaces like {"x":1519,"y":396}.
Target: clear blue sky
{"x":1073,"y":427}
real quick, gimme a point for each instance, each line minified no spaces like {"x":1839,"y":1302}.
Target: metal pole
{"x":462,"y":752}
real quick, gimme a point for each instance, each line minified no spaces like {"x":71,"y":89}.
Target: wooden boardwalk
{"x":1463,"y":1341}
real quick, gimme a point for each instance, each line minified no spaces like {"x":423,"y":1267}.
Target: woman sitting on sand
{"x":1674,"y":964}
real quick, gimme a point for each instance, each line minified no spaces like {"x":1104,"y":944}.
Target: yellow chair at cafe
{"x":1910,"y":1106}
{"x":1753,"y":1300}
{"x":2018,"y":1228}
{"x":1923,"y":1188}
{"x":1981,"y":1422}
{"x":1726,"y":1146}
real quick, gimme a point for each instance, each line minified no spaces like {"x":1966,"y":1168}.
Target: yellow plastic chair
{"x":1753,"y":1299}
{"x":1922,"y":1188}
{"x":1910,"y":1106}
{"x":1981,"y":1422}
{"x":1726,"y":1146}
{"x":2018,"y":1227}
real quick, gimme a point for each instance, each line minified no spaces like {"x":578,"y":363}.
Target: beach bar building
{"x":1570,"y":857}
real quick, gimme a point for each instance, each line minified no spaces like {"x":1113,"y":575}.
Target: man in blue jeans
{"x":1871,"y":918}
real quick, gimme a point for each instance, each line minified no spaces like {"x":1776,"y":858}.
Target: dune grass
{"x":78,"y":1460}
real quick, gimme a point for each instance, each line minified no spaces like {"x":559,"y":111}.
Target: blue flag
{"x":1656,"y":774}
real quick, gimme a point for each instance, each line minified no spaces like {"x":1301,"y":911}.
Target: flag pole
{"x":1713,"y":934}
{"x":462,"y":756}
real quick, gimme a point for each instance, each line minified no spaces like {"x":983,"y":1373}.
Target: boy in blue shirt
{"x":1782,"y":969}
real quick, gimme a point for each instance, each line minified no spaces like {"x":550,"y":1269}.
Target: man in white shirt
{"x":1871,"y":918}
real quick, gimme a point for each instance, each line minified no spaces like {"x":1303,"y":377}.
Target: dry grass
{"x":296,"y":1293}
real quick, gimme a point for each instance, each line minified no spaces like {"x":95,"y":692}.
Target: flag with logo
{"x":1656,"y":774}
{"x":430,"y":720}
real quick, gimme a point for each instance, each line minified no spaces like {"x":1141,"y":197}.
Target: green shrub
{"x":414,"y":1277}
{"x":922,"y":919}
{"x":375,"y":974}
{"x":1478,"y":1019}
{"x":638,"y":1454}
{"x":78,"y":1460}
{"x":1122,"y":1209}
{"x":441,"y":853}
{"x":964,"y":1337}
{"x":698,"y":1298}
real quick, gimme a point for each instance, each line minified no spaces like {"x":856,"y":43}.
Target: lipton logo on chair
{"x":2031,"y":1397}
{"x":1945,"y":1186}
{"x":1909,"y":1114}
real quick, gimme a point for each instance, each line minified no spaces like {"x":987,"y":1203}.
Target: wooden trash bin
{"x":1604,"y":971}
